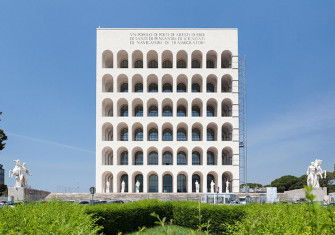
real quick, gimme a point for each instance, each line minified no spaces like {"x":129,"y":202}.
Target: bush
{"x":131,"y":216}
{"x":46,"y":218}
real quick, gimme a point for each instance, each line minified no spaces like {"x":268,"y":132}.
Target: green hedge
{"x":129,"y":217}
{"x":46,"y":218}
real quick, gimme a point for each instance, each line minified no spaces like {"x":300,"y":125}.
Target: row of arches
{"x":167,"y":109}
{"x":154,"y":183}
{"x":167,"y":132}
{"x":167,"y":156}
{"x":167,"y":60}
{"x":181,"y":83}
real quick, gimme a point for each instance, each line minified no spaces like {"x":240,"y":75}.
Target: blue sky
{"x":47,"y":80}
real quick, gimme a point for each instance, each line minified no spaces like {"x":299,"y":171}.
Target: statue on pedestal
{"x":123,"y":185}
{"x":21,"y":173}
{"x":197,"y":186}
{"x":137,"y":186}
{"x":212,"y":187}
{"x":314,"y":173}
{"x":227,"y":186}
{"x":108,"y":186}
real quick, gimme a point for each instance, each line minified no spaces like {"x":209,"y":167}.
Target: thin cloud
{"x":50,"y":142}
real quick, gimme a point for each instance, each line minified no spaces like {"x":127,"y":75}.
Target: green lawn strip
{"x":169,"y":229}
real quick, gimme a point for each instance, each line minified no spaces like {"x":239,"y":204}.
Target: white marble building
{"x":167,"y":110}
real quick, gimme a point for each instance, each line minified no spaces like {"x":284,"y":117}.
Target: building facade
{"x":167,"y":110}
{"x":2,"y":175}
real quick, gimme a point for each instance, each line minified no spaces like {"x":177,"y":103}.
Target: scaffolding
{"x":242,"y":95}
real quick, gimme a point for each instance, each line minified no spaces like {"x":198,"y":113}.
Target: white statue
{"x":137,"y":186}
{"x":197,"y":188}
{"x":314,"y":172}
{"x":123,"y":185}
{"x":108,"y":186}
{"x":212,"y":187}
{"x":227,"y":186}
{"x":21,"y":173}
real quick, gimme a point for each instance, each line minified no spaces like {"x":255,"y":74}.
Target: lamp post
{"x":92,"y":191}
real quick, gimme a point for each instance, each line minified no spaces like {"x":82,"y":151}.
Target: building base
{"x":26,"y":194}
{"x":296,"y":194}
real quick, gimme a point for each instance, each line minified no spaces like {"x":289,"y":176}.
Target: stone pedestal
{"x":296,"y":194}
{"x":26,"y":194}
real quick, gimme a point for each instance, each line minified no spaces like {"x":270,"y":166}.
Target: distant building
{"x":2,"y":175}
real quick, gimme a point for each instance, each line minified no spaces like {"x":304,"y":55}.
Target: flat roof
{"x":167,"y":28}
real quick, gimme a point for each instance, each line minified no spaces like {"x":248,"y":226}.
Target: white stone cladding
{"x":216,"y":52}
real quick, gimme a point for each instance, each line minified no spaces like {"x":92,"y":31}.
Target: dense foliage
{"x":3,"y":138}
{"x":131,"y":216}
{"x":3,"y":189}
{"x":46,"y":218}
{"x":286,"y":219}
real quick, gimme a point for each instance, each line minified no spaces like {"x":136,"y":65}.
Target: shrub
{"x":129,"y":217}
{"x":46,"y":218}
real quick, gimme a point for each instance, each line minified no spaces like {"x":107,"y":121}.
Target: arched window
{"x":210,"y":87}
{"x":107,"y":157}
{"x":124,"y":111}
{"x":124,"y":87}
{"x":139,"y":178}
{"x":167,"y":183}
{"x":107,"y":59}
{"x":108,"y":134}
{"x":167,"y":158}
{"x":210,"y":64}
{"x":153,"y":87}
{"x":196,"y":111}
{"x":153,"y":158}
{"x":226,"y":83}
{"x":167,"y":59}
{"x":138,"y":64}
{"x":210,"y":178}
{"x":122,"y":58}
{"x":181,"y":184}
{"x":195,"y":178}
{"x":167,"y":111}
{"x":210,"y":111}
{"x":196,"y":59}
{"x":124,"y":158}
{"x":226,"y":109}
{"x":124,"y":134}
{"x":196,"y":87}
{"x":139,"y":158}
{"x":181,"y":134}
{"x":211,"y":58}
{"x":167,"y":64}
{"x":181,"y":87}
{"x":153,"y":184}
{"x":181,"y":111}
{"x":153,"y":64}
{"x":181,"y":158}
{"x":153,"y":111}
{"x":227,"y":176}
{"x":139,"y":111}
{"x":226,"y":59}
{"x":210,"y":134}
{"x":196,"y":134}
{"x":138,"y":134}
{"x":196,"y":159}
{"x":124,"y":178}
{"x":167,"y":87}
{"x":153,"y":134}
{"x":210,"y":158}
{"x":227,"y":133}
{"x":167,"y":135}
{"x":227,"y":158}
{"x":138,"y":87}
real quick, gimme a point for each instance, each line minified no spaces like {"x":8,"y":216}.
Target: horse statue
{"x":21,"y":173}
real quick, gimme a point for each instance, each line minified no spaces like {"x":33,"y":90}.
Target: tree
{"x":3,"y":137}
{"x":285,"y":183}
{"x":3,"y":189}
